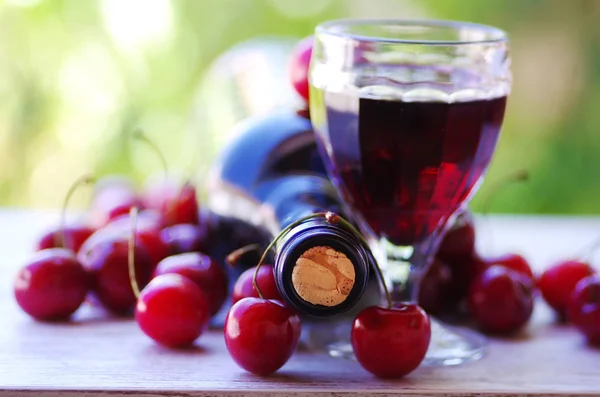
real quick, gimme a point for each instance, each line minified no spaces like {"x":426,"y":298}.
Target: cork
{"x":323,"y":276}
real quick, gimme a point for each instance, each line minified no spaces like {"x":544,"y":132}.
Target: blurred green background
{"x":78,"y":76}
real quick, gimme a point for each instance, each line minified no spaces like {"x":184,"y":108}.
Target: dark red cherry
{"x":501,"y":300}
{"x":558,"y":282}
{"x":298,"y":66}
{"x":458,"y":242}
{"x":107,"y":263}
{"x":146,"y":235}
{"x":175,"y":201}
{"x":391,"y":343}
{"x":434,"y":287}
{"x":261,"y":335}
{"x":184,"y":238}
{"x":74,"y":236}
{"x":584,"y":308}
{"x":244,"y":287}
{"x":172,"y":310}
{"x":52,"y":285}
{"x":113,"y":196}
{"x":203,"y":271}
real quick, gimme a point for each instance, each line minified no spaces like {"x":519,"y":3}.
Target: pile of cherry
{"x":141,"y":253}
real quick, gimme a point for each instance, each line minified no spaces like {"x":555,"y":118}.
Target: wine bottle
{"x":271,"y":176}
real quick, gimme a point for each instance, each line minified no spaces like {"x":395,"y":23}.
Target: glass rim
{"x":493,"y":34}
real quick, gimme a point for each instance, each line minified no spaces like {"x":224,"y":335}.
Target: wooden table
{"x":98,"y":356}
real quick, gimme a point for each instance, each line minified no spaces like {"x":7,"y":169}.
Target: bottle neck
{"x":321,"y":269}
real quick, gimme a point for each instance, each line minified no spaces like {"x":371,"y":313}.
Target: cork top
{"x":323,"y":276}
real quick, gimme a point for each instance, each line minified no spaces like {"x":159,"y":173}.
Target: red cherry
{"x":434,"y":287}
{"x":184,"y":237}
{"x":74,"y":236}
{"x":52,"y":285}
{"x":584,"y":308}
{"x":113,"y":196}
{"x":558,"y":282}
{"x":390,"y":343}
{"x":177,"y":203}
{"x":146,"y":219}
{"x":146,"y":235}
{"x":107,"y":262}
{"x":462,"y":273}
{"x":261,"y":335}
{"x":244,"y":288}
{"x":501,"y":300}
{"x":208,"y":275}
{"x":298,"y":66}
{"x":172,"y":310}
{"x":512,"y":261}
{"x":459,"y":241}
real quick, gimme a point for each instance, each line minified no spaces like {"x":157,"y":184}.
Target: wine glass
{"x":407,"y":115}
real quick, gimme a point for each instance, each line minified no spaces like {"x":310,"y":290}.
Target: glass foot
{"x":449,"y":345}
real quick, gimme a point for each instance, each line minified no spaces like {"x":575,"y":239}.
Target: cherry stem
{"x":133,"y":213}
{"x":139,"y":135}
{"x":233,"y":257}
{"x":82,"y":180}
{"x":334,"y":219}
{"x":516,"y":176}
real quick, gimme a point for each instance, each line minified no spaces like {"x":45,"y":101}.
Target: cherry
{"x":184,"y":237}
{"x":172,"y":310}
{"x":74,"y":236}
{"x":244,"y":287}
{"x":434,"y":287}
{"x":512,"y":261}
{"x":261,"y":335}
{"x":203,"y":271}
{"x":146,"y":219}
{"x":459,"y":241}
{"x":113,"y":196}
{"x":501,"y":300}
{"x":584,"y":308}
{"x":146,"y":234}
{"x":177,"y":203}
{"x":558,"y":282}
{"x":298,"y":66}
{"x":107,"y":262}
{"x":52,"y":285}
{"x":390,"y":343}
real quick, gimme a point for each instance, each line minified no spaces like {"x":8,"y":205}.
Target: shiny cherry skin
{"x":458,"y":242}
{"x":113,"y":196}
{"x":512,"y":261}
{"x":558,"y":282}
{"x":145,"y":219}
{"x":107,"y":263}
{"x":261,"y":335}
{"x":244,"y":288}
{"x":184,"y":237}
{"x":52,"y":285}
{"x":75,"y":236}
{"x":207,"y":274}
{"x":298,"y":66}
{"x":146,"y":234}
{"x":501,"y":300}
{"x":391,"y":343}
{"x":584,"y":308}
{"x":176,"y":202}
{"x":172,"y":310}
{"x":434,"y":287}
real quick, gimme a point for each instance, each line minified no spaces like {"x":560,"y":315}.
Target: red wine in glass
{"x":407,"y":166}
